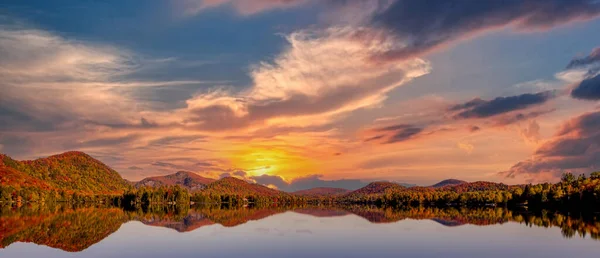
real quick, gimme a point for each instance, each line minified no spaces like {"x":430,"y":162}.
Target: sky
{"x":302,"y":93}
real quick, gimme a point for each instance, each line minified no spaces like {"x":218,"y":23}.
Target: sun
{"x":258,"y":161}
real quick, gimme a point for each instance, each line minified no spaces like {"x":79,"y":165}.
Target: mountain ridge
{"x":189,"y":180}
{"x":321,"y":191}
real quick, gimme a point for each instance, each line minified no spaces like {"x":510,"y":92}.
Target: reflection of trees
{"x":76,"y":228}
{"x":69,"y":229}
{"x":571,"y":225}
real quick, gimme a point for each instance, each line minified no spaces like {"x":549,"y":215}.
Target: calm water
{"x":353,"y":231}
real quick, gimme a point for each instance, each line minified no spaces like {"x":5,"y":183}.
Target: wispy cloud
{"x":574,"y":148}
{"x":243,"y":7}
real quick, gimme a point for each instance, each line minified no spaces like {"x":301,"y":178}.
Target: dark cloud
{"x":104,"y":142}
{"x":174,"y":140}
{"x":308,"y":182}
{"x":588,"y":89}
{"x":204,"y":164}
{"x":518,"y":117}
{"x":575,"y":148}
{"x":135,"y":168}
{"x":479,"y":108}
{"x":17,"y":115}
{"x":401,"y":132}
{"x":15,"y":145}
{"x":592,"y":58}
{"x":404,"y":134}
{"x":426,"y":25}
{"x":166,"y":165}
{"x":395,"y":133}
{"x":474,"y":128}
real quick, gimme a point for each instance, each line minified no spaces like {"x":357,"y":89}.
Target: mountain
{"x":70,"y":171}
{"x":189,"y":180}
{"x":375,"y":188}
{"x":232,"y":185}
{"x":448,"y":182}
{"x":321,"y":191}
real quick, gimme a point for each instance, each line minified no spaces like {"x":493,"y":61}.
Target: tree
{"x":567,"y":178}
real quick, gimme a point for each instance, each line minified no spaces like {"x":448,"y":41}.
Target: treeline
{"x":12,"y":194}
{"x":570,"y":193}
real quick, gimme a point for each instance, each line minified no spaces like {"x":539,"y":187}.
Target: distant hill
{"x":232,"y":185}
{"x":448,"y":182}
{"x":189,"y":180}
{"x":374,"y":188}
{"x":322,"y":191}
{"x":70,"y":171}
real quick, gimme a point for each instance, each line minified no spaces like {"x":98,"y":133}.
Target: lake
{"x":348,"y":231}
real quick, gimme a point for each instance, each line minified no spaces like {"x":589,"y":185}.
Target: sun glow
{"x":258,"y":161}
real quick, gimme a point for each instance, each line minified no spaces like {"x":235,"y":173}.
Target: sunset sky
{"x":302,"y":93}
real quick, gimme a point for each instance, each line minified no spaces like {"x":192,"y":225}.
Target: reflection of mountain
{"x":237,"y":216}
{"x":205,"y":216}
{"x":76,"y":229}
{"x":448,"y":223}
{"x":322,"y":212}
{"x":69,"y":230}
{"x":190,"y":222}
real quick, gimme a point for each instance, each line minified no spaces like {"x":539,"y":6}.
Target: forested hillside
{"x":65,"y":176}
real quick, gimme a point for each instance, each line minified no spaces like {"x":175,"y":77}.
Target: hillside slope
{"x":374,"y":188}
{"x":69,"y":171}
{"x":231,"y":185}
{"x":321,"y":191}
{"x":448,"y":182}
{"x":189,"y":180}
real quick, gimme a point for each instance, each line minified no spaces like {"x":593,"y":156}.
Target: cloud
{"x":135,"y":168}
{"x":30,"y":55}
{"x":532,"y":132}
{"x":592,"y":58}
{"x":323,"y":74}
{"x":588,"y":89}
{"x":104,"y":141}
{"x":478,"y":108}
{"x":473,"y":128}
{"x":575,"y":148}
{"x":467,"y":147}
{"x":73,"y":82}
{"x":178,"y":140}
{"x":513,"y":118}
{"x":307,"y":182}
{"x":243,"y":7}
{"x":423,"y":26}
{"x":584,"y":73}
{"x":395,"y":133}
{"x":166,"y":165}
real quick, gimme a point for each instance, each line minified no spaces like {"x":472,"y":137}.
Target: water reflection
{"x":75,"y":228}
